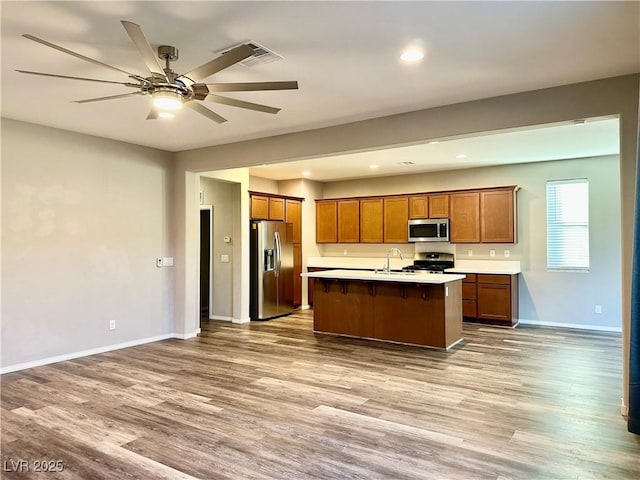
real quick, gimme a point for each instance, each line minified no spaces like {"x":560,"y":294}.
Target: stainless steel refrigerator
{"x":271,"y":269}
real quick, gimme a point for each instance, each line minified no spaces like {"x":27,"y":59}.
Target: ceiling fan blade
{"x":148,"y":55}
{"x":251,"y":86}
{"x":242,"y":104}
{"x":127,"y":84}
{"x":111,"y":97}
{"x":153,"y":114}
{"x":205,"y":111}
{"x":82,"y":57}
{"x":232,"y":57}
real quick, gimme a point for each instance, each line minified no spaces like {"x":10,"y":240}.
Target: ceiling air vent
{"x":406,"y":164}
{"x":261,"y":54}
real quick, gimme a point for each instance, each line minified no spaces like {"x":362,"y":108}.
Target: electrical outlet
{"x":344,"y":252}
{"x":224,"y":258}
{"x":112,"y":324}
{"x":598,"y":309}
{"x":159,"y":262}
{"x":507,"y":254}
{"x":167,"y":261}
{"x":492,"y":253}
{"x":469,"y":253}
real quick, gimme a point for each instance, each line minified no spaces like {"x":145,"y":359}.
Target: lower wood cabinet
{"x":419,"y":314}
{"x":491,"y":298}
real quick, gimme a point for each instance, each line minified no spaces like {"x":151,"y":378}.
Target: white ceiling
{"x":546,"y":142}
{"x":343,"y":54}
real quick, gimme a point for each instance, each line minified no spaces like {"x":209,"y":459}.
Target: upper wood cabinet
{"x":293,"y":214}
{"x":464,"y":217}
{"x":371,"y":220}
{"x":484,"y":215}
{"x":259,"y":207}
{"x":276,"y":208}
{"x":396,"y":219}
{"x":326,"y":221}
{"x":497,"y":216}
{"x":348,"y":221}
{"x":439,"y":205}
{"x":418,"y":206}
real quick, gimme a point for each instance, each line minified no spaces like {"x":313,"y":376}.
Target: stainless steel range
{"x":433,"y":262}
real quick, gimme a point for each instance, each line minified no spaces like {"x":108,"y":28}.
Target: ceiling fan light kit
{"x":167,"y":99}
{"x":170,"y":91}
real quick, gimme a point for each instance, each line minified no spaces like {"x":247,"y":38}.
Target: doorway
{"x":206,"y":223}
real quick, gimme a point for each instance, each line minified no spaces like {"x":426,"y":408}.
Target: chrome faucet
{"x":387,"y":268}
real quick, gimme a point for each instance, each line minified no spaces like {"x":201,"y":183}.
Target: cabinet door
{"x":439,"y":206}
{"x":418,"y":206}
{"x":326,"y":221}
{"x":494,"y":302}
{"x":293,"y":214}
{"x":464,"y":209}
{"x":259,"y":207}
{"x":497,"y":220}
{"x":348,"y":221}
{"x":396,"y":219}
{"x":371,"y":220}
{"x":276,"y":208}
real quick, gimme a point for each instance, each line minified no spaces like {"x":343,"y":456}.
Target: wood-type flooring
{"x":273,"y":400}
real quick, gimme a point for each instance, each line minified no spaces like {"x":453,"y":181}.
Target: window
{"x":568,"y":224}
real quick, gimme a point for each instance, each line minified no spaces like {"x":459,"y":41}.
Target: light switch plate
{"x":224,"y":258}
{"x":167,"y":262}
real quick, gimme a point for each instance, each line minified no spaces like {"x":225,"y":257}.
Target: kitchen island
{"x":414,"y":308}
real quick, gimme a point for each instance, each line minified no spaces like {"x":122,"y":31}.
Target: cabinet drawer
{"x":469,"y":308}
{"x":471,"y":278}
{"x":469,"y":291}
{"x":500,"y":279}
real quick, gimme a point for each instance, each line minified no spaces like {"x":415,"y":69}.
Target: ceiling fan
{"x":169,"y":90}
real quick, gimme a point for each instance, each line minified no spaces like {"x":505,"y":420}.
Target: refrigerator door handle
{"x":278,"y":254}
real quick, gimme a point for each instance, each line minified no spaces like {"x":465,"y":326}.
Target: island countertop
{"x":403,"y":277}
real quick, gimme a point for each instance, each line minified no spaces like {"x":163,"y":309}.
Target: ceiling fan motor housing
{"x":167,"y":52}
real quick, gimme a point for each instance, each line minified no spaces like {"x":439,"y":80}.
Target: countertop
{"x":499,"y":267}
{"x":367,"y":275}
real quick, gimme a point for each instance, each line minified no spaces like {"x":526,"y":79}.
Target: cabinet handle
{"x":425,"y":293}
{"x":372,"y":289}
{"x":343,"y":288}
{"x":403,"y":291}
{"x":325,"y":285}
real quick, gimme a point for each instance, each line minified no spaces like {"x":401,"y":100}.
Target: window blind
{"x":568,"y":224}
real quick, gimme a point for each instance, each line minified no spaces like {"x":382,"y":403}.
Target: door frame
{"x":210,"y":209}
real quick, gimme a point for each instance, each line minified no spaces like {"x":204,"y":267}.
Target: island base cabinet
{"x":418,"y":314}
{"x":343,"y":307}
{"x":409,"y":314}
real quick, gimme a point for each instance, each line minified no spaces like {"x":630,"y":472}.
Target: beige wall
{"x":613,"y":96}
{"x":83,"y":220}
{"x":221,"y":196}
{"x":548,"y":297}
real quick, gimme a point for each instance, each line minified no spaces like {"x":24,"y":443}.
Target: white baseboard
{"x":186,"y":336}
{"x":579,"y":326}
{"x":305,"y":307}
{"x":84,"y":353}
{"x":624,"y":410}
{"x":241,"y":320}
{"x":220,"y":317}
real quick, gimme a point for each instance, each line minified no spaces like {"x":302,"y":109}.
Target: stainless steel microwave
{"x":429,"y":230}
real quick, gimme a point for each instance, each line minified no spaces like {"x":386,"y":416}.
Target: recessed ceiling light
{"x":374,"y":166}
{"x":406,"y":164}
{"x":579,"y":122}
{"x":306,"y":173}
{"x":412,"y":54}
{"x":461,"y":156}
